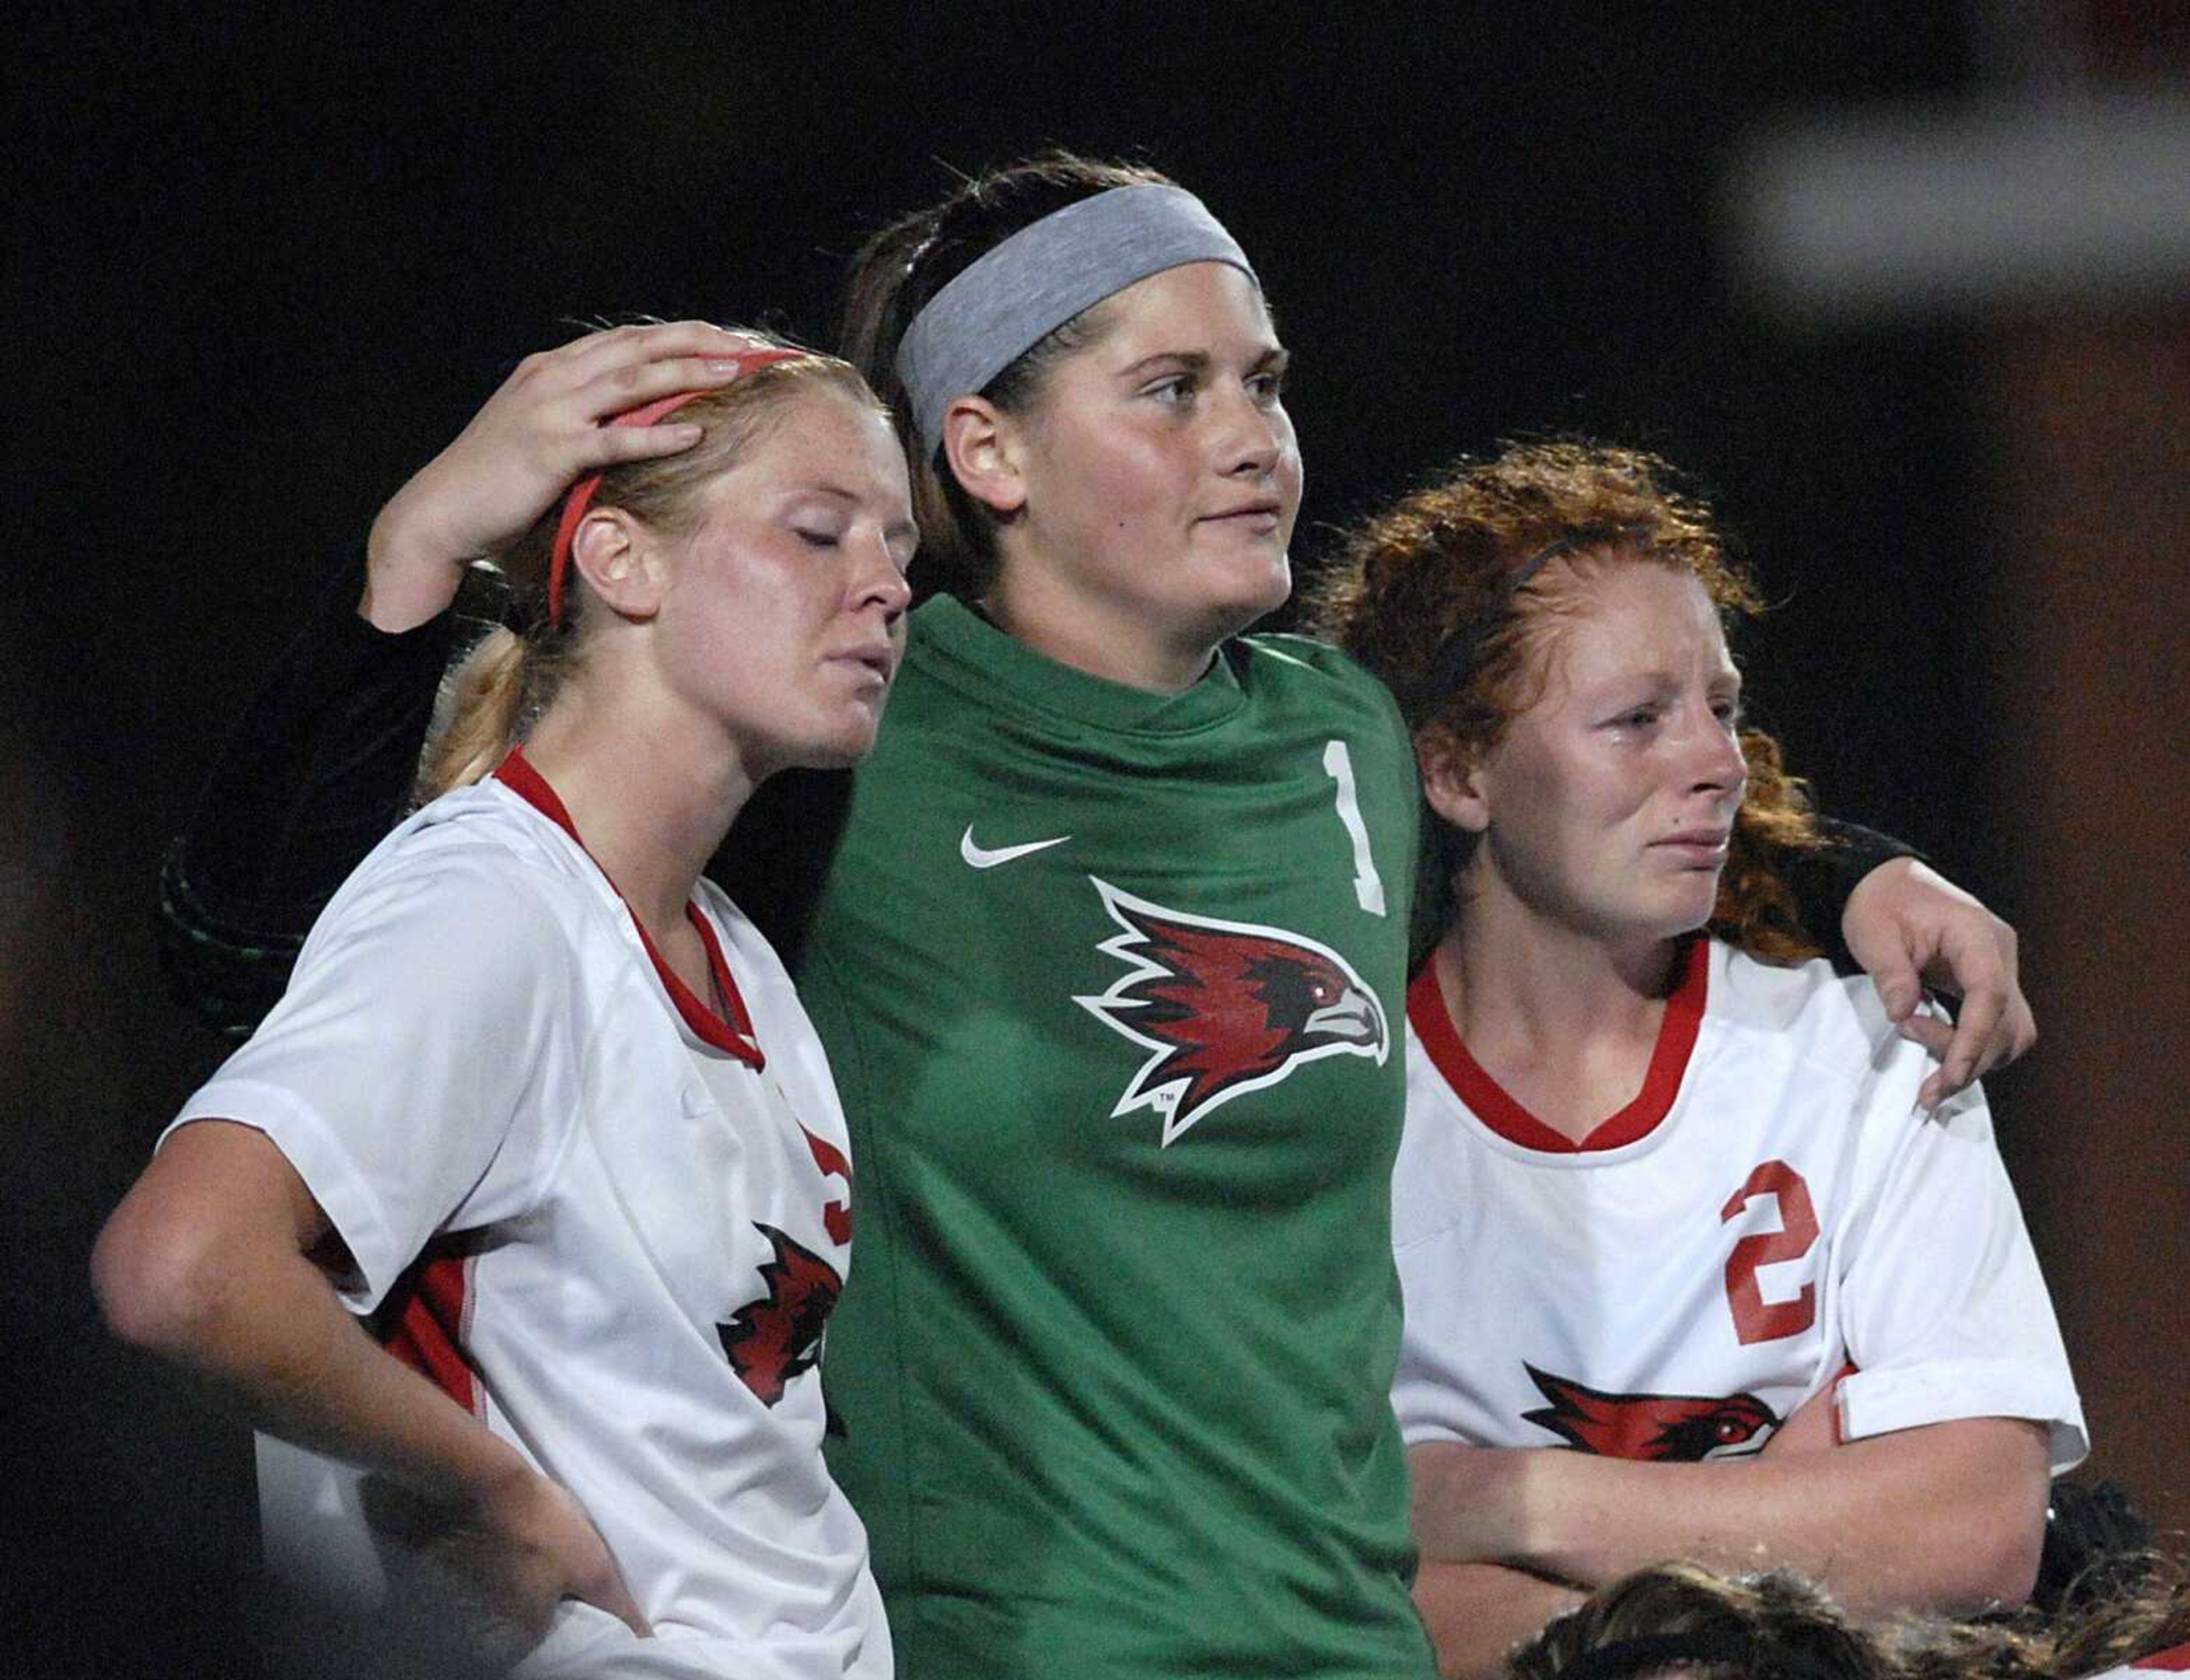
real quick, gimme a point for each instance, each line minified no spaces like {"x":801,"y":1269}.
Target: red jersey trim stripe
{"x":433,"y":1325}
{"x":1489,"y":1101}
{"x":735,"y":1036}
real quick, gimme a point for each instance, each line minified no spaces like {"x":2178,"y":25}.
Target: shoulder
{"x":1313,"y":683}
{"x":1827,"y":1033}
{"x":475,"y":880}
{"x":1831,"y":1015}
{"x":1315,"y":666}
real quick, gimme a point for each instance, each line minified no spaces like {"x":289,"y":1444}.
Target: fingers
{"x":591,"y":1575}
{"x":609,"y":373}
{"x":614,"y":1597}
{"x":628,"y":384}
{"x":1976,"y":956}
{"x":576,"y":390}
{"x":1977,"y":1043}
{"x":1899,"y":991}
{"x":612,"y":444}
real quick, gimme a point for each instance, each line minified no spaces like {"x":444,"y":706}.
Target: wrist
{"x":1881,"y":877}
{"x":410,"y":576}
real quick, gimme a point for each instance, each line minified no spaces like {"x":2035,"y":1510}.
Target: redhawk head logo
{"x":772,"y":1340}
{"x":1685,"y":1428}
{"x":1224,"y":1007}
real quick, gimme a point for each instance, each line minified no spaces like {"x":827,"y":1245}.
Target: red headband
{"x":646,"y":414}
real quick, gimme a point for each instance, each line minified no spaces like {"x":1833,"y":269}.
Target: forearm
{"x":218,"y":1285}
{"x":209,"y":1262}
{"x":1478,"y":1612}
{"x":1823,"y":879}
{"x":1948,"y":1516}
{"x":318,"y":768}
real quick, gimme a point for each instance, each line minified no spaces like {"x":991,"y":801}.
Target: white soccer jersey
{"x":1771,"y":1211}
{"x":607,"y":1222}
{"x":2175,"y":1660}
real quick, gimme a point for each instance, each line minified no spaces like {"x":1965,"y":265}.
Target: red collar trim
{"x":1489,"y":1102}
{"x":733,"y":1037}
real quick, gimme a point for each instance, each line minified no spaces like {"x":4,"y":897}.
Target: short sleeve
{"x":1946,"y":1313}
{"x":419,"y":1072}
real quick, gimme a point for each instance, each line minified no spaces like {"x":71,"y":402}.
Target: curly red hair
{"x":1427,"y":594}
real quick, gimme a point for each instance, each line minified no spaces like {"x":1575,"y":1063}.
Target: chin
{"x":841,"y":753}
{"x":832,"y":746}
{"x":1690,"y":917}
{"x":1249,"y":599}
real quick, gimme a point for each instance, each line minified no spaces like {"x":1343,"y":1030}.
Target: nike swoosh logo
{"x":985,"y":857}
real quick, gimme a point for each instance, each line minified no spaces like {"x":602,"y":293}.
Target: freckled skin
{"x":1631,"y":745}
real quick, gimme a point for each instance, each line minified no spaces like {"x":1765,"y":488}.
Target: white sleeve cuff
{"x":1879,"y":1402}
{"x":318,"y":1157}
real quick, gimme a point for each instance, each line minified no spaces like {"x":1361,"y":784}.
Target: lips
{"x":879,"y":658}
{"x":1701,"y":845}
{"x":1262,"y":513}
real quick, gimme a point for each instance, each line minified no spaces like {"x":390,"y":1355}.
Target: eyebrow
{"x":1601,"y":691}
{"x":1200,"y":362}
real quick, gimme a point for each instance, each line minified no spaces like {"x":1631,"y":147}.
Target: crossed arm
{"x":1949,"y":1516}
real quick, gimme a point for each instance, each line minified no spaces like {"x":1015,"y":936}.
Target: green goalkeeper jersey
{"x":1113,"y":985}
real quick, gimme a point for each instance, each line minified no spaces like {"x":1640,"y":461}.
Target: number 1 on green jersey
{"x":1368,"y":885}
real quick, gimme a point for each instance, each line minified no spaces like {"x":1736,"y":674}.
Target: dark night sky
{"x":261,"y":271}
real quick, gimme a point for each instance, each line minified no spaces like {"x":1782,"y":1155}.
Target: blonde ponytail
{"x":486,"y":705}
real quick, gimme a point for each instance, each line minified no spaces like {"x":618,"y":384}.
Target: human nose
{"x":1720,"y":766}
{"x":880,"y":580}
{"x":1252,"y":434}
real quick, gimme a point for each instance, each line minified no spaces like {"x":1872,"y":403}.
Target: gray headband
{"x":1017,"y":293}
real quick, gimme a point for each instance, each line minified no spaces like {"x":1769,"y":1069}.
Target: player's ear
{"x":1453,"y":779}
{"x":622,"y":559}
{"x":983,"y":447}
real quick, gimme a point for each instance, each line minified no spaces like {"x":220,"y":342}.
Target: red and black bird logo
{"x":1683,"y":1427}
{"x":1224,"y":1007}
{"x":772,"y":1340}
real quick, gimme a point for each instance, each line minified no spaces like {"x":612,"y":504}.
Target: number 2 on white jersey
{"x":1755,"y":1319}
{"x":1368,"y":885}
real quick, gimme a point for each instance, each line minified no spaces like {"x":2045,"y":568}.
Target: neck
{"x":1103,"y":640}
{"x":653,"y":793}
{"x":1565,"y":1020}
